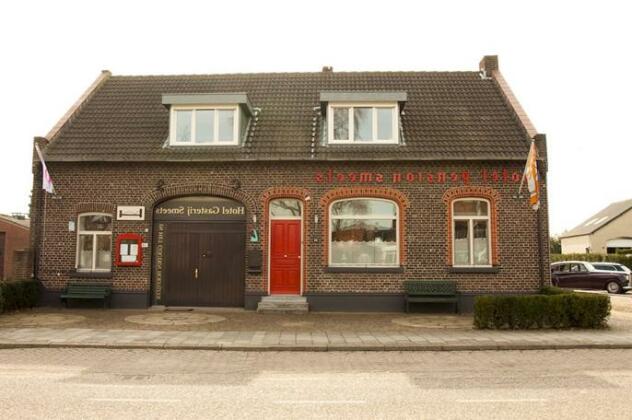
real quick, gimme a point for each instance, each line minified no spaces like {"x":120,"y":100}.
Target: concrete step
{"x":283,"y":304}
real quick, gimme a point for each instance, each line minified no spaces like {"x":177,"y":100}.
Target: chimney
{"x":328,"y":69}
{"x":488,"y":64}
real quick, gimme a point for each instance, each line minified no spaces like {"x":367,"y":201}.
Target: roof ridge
{"x":299,"y":73}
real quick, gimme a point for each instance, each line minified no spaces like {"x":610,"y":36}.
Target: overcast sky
{"x":569,"y":64}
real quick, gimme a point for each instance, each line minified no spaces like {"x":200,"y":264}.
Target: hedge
{"x":554,"y":308}
{"x":18,"y":295}
{"x":618,"y":258}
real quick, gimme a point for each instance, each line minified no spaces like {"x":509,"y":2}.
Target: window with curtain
{"x":471,"y":244}
{"x":363,"y":233}
{"x":94,"y":242}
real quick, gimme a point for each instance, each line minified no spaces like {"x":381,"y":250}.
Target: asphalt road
{"x":95,"y":383}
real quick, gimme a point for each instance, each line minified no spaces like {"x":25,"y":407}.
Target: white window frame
{"x":366,"y":217}
{"x":285,"y":217}
{"x":470,"y":227}
{"x":351,"y":106}
{"x":214,"y":142}
{"x":94,"y":234}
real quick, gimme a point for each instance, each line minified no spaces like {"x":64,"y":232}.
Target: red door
{"x":285,"y":257}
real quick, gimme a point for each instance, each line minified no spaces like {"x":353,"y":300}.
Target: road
{"x":99,"y":383}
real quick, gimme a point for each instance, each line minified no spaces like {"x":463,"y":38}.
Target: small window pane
{"x":286,"y":207}
{"x":98,"y":222}
{"x":364,"y":242}
{"x":363,"y":207}
{"x":85,"y":252}
{"x":183,"y":125}
{"x":461,"y":243}
{"x":363,"y":124}
{"x":470,"y":208}
{"x":385,"y":123}
{"x":204,"y":122}
{"x":481,"y":243}
{"x":341,"y":123}
{"x":226,"y":125}
{"x":103,"y":253}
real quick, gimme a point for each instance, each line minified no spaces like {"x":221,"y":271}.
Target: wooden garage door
{"x":205,"y":264}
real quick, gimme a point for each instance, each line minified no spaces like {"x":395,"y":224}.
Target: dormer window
{"x":207,"y":119}
{"x":362,"y":117}
{"x":199,"y":125}
{"x":363,"y":123}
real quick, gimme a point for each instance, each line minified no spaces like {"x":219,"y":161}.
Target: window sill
{"x":486,"y":270}
{"x":90,"y":274}
{"x":363,"y":143}
{"x":399,"y":269}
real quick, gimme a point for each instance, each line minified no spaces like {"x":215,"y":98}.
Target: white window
{"x":201,"y":126}
{"x":94,"y":242}
{"x":285,"y":208}
{"x":363,"y":123}
{"x":363,"y":233}
{"x":470,"y":233}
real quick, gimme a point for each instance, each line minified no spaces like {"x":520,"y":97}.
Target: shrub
{"x":554,"y":308}
{"x":618,"y":258}
{"x":19,"y":294}
{"x":552,"y":290}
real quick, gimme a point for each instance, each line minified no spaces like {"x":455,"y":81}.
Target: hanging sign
{"x":130,"y":213}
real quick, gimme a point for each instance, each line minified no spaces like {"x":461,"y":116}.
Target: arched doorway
{"x":199,"y":245}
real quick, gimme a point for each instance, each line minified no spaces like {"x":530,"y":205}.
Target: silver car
{"x":612,"y":266}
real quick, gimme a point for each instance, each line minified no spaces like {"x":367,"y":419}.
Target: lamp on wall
{"x":160,"y":185}
{"x":235,"y":184}
{"x":316,"y":219}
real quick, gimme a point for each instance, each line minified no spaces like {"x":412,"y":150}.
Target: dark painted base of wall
{"x":381,"y":303}
{"x":339,"y":302}
{"x":252,"y":300}
{"x":120,"y":300}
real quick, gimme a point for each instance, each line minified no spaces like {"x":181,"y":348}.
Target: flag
{"x":47,"y":182}
{"x":531,"y":175}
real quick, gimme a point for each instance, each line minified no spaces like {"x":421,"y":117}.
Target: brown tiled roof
{"x":448,"y":115}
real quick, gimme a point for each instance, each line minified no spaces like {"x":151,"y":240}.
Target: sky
{"x":567,"y":62}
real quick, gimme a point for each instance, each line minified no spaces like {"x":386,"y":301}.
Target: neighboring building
{"x":602,"y":233}
{"x":14,"y":246}
{"x":218,"y":190}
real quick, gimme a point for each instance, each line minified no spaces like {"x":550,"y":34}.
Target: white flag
{"x":47,"y":182}
{"x":531,"y":175}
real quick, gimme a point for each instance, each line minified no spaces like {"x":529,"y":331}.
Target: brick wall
{"x":422,"y":185}
{"x":22,"y":264}
{"x":16,"y":239}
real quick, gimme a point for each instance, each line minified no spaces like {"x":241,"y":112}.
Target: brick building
{"x":218,"y":190}
{"x":14,"y":246}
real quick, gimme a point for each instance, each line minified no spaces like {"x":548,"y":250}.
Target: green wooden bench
{"x":87,"y":291}
{"x":431,"y":291}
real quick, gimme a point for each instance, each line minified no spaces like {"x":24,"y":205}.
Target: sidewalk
{"x":313,"y":332}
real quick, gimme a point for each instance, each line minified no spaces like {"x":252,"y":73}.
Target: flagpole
{"x":42,"y":246}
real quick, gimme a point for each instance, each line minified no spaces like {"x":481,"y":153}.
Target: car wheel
{"x":613,"y":287}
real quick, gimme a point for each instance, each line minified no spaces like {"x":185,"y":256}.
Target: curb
{"x":323,"y":348}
